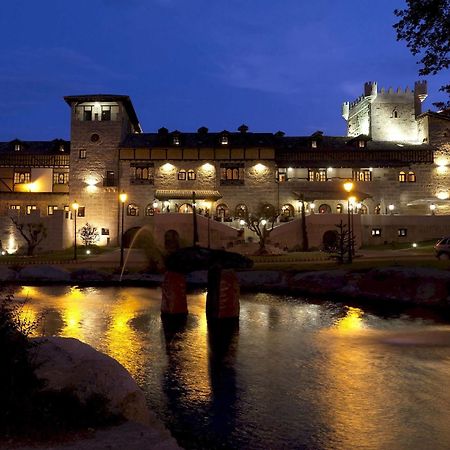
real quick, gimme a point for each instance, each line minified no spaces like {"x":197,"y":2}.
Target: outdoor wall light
{"x":312,"y":206}
{"x":432,"y":208}
{"x":442,"y":195}
{"x":414,"y":245}
{"x":348,"y":186}
{"x":391,"y":208}
{"x":260,"y":167}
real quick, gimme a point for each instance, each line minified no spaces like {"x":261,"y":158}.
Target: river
{"x":295,"y":374}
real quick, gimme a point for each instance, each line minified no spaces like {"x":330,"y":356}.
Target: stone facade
{"x":397,"y":157}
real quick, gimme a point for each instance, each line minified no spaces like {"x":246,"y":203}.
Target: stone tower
{"x":99,"y":123}
{"x":385,"y":115}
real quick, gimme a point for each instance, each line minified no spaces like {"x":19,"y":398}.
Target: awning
{"x":186,"y":194}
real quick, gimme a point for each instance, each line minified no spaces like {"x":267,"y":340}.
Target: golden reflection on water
{"x":123,"y":343}
{"x":352,"y":321}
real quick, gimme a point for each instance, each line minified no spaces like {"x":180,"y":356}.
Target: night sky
{"x":273,"y":65}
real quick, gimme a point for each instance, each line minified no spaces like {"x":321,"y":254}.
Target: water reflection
{"x":291,"y":374}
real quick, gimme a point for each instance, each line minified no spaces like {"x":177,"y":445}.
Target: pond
{"x":293,"y":374}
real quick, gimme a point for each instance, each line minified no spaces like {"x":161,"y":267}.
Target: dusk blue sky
{"x":273,"y":65}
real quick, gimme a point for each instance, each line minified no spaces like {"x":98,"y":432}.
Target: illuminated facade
{"x":397,"y":157}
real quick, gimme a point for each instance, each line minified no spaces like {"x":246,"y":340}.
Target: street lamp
{"x":391,"y":208}
{"x":348,"y":186}
{"x":432,"y":209}
{"x":75,"y":207}
{"x":123,"y":199}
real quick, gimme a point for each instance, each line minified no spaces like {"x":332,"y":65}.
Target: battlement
{"x":371,"y":92}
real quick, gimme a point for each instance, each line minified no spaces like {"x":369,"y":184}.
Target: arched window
{"x":324,"y":209}
{"x":149,"y":210}
{"x":363,"y":209}
{"x":411,"y":177}
{"x":339,"y":208}
{"x":241,"y":211}
{"x":287,"y":210}
{"x":191,"y":175}
{"x":182,"y":175}
{"x":377,"y":209}
{"x":132,"y":210}
{"x":222,"y":211}
{"x":402,"y":177}
{"x":185,"y":208}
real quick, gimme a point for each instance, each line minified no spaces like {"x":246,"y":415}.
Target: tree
{"x":305,"y":242}
{"x":33,"y":233}
{"x":425,"y":27}
{"x":339,"y":243}
{"x":88,"y":234}
{"x":262,"y":222}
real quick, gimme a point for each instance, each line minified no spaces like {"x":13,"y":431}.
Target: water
{"x":295,"y":374}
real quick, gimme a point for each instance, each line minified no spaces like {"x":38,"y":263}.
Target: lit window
{"x":402,"y":177}
{"x":17,"y":147}
{"x":224,"y":140}
{"x":317,"y":174}
{"x":182,"y":175}
{"x":176,"y":140}
{"x":81,"y":211}
{"x":82,"y":154}
{"x":149,"y":210}
{"x":87,"y":113}
{"x":142,"y":173}
{"x":22,"y":177}
{"x":282,"y":175}
{"x":51,"y":209}
{"x":105,"y":231}
{"x":133,"y":210}
{"x":339,"y":208}
{"x":30,"y":208}
{"x":314,"y":144}
{"x":362,"y":175}
{"x":15,"y":207}
{"x":61,"y":148}
{"x":232,"y":173}
{"x":109,"y":179}
{"x":191,"y":175}
{"x":361,"y":143}
{"x":61,"y":178}
{"x":106,"y":113}
{"x":411,"y":177}
{"x":376,"y":231}
{"x":402,"y":232}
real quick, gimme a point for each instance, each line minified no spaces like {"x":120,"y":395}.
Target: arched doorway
{"x":136,"y":237}
{"x":330,"y":240}
{"x":287,"y":210}
{"x":185,"y":208}
{"x":222,"y":211}
{"x":241,"y":211}
{"x":339,"y":208}
{"x":324,"y":209}
{"x":268,"y":211}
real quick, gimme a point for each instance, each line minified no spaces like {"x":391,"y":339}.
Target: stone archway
{"x":129,"y":235}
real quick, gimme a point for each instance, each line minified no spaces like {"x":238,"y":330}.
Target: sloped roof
{"x":36,"y":147}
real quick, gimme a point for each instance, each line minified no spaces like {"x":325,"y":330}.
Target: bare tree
{"x":262,"y":222}
{"x":33,"y":233}
{"x":89,"y":234}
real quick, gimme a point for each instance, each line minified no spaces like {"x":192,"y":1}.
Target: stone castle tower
{"x":99,"y":124}
{"x":386,"y":115}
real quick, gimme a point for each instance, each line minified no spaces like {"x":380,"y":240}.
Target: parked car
{"x":442,"y":248}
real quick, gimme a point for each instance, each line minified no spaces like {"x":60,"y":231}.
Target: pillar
{"x":174,"y":294}
{"x":222,"y":301}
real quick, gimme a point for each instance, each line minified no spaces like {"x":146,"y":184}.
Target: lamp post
{"x":75,"y":207}
{"x":123,"y":199}
{"x":348,"y":186}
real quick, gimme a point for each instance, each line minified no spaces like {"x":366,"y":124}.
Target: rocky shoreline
{"x":419,"y":286}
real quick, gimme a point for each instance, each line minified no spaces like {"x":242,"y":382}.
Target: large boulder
{"x":44,"y":273}
{"x":67,"y":363}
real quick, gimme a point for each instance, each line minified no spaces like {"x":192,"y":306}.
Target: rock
{"x":261,"y":278}
{"x":7,"y":274}
{"x":44,"y":273}
{"x":89,"y":275}
{"x":319,"y":282}
{"x":67,"y":363}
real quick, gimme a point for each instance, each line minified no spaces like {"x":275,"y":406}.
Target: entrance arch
{"x":129,"y":235}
